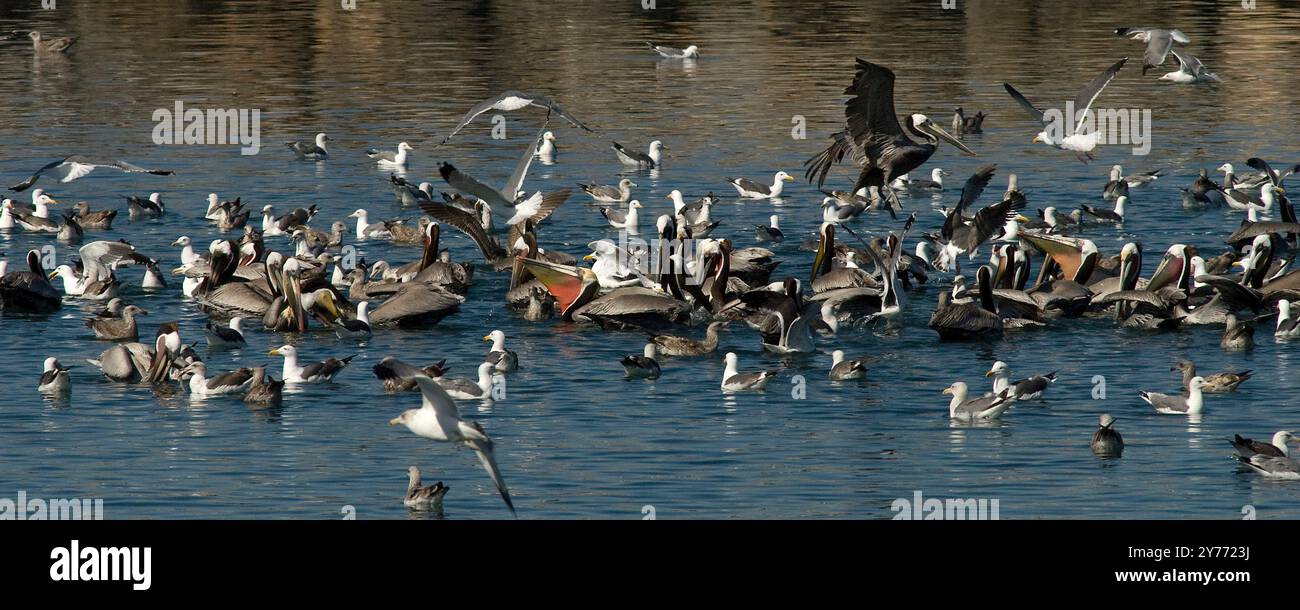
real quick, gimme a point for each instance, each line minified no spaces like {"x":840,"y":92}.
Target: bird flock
{"x":682,"y":277}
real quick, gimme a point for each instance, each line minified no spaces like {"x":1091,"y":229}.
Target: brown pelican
{"x":643,"y":366}
{"x":780,"y":316}
{"x":416,"y":304}
{"x":29,"y":291}
{"x":312,"y":151}
{"x":874,"y":137}
{"x":137,"y":362}
{"x":735,"y":381}
{"x":1106,"y":442}
{"x":423,"y":497}
{"x":54,"y":377}
{"x":959,"y":321}
{"x":438,"y":419}
{"x":575,"y":290}
{"x":1218,"y":383}
{"x":118,"y":329}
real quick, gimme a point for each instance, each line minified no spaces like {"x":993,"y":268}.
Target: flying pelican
{"x":874,"y":137}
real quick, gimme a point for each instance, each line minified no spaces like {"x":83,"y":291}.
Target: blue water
{"x":574,"y":439}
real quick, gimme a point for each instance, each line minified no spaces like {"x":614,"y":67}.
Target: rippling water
{"x":574,"y":439}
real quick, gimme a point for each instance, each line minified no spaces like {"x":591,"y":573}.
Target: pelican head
{"x":923,"y":125}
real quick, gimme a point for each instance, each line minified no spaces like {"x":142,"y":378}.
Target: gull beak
{"x":947,"y":390}
{"x":53,"y":200}
{"x":394,"y":421}
{"x":54,"y":274}
{"x":941,"y":134}
{"x":789,"y":178}
{"x":176,"y":243}
{"x":989,"y":374}
{"x":487,"y":337}
{"x":589,"y":257}
{"x":274,"y":352}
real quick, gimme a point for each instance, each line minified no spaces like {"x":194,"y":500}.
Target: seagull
{"x":1106,"y":442}
{"x":438,"y":419}
{"x":980,"y":407}
{"x":691,"y":52}
{"x":1073,"y":138}
{"x":152,"y":207}
{"x":842,"y":369}
{"x":77,"y":166}
{"x":734,"y":381}
{"x":652,"y":159}
{"x":1159,"y":43}
{"x":508,"y":202}
{"x":1192,"y":404}
{"x":391,"y":159}
{"x":356,"y":328}
{"x":1277,"y":448}
{"x":753,"y":190}
{"x":644,"y":366}
{"x":423,"y":497}
{"x":1272,"y":466}
{"x":513,"y":100}
{"x":313,"y":372}
{"x":548,"y":149}
{"x":610,"y":194}
{"x":231,"y":382}
{"x":1190,"y":70}
{"x":52,"y":45}
{"x":771,"y":232}
{"x":55,"y":377}
{"x":313,"y":151}
{"x":503,"y":359}
{"x":225,"y":336}
{"x":623,"y":219}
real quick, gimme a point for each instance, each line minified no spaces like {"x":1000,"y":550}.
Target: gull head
{"x":182,"y":241}
{"x":783,"y":177}
{"x":284,"y":350}
{"x":548,"y":136}
{"x":404,"y":146}
{"x":999,"y":368}
{"x":691,"y":51}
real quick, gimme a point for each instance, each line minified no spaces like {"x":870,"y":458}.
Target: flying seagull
{"x":77,"y":166}
{"x":513,"y":100}
{"x":1159,"y":42}
{"x":509,"y":201}
{"x":438,"y":419}
{"x":1076,"y":141}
